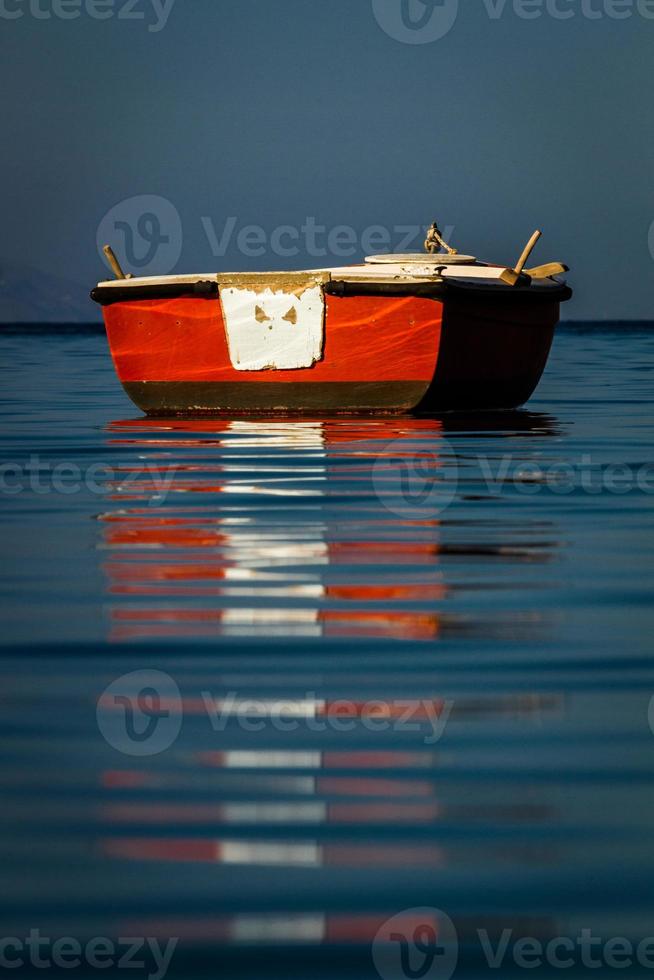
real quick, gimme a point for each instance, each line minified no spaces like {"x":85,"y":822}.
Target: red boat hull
{"x":382,"y":353}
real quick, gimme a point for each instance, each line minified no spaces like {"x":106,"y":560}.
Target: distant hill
{"x":28,"y":295}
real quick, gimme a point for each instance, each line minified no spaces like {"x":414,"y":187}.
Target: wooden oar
{"x":114,"y":263}
{"x":512,"y":276}
{"x":546,"y":271}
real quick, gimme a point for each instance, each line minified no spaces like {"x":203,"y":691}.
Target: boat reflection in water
{"x":286,"y":528}
{"x":351,"y":578}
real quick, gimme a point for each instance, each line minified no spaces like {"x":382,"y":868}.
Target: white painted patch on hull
{"x":273,"y":329}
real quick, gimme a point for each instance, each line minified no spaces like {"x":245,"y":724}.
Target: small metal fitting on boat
{"x":434,"y":242}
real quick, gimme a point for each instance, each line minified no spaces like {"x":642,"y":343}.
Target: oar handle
{"x":529,"y":247}
{"x":548,"y":270}
{"x":113,"y":262}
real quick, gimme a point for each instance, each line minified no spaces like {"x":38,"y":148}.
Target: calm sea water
{"x":268,"y":683}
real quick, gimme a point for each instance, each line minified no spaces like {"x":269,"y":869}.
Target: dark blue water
{"x":267,"y":683}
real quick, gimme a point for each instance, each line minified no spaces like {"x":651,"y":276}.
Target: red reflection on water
{"x":175,"y":554}
{"x":172,"y":554}
{"x":299,"y":854}
{"x":292,"y":759}
{"x":251,"y":813}
{"x":306,"y":928}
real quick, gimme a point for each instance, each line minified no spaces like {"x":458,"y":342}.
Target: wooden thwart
{"x":288,"y":282}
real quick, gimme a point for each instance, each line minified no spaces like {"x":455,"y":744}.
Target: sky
{"x":208,"y":135}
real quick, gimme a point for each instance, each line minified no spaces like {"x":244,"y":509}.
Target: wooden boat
{"x":399,"y":333}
